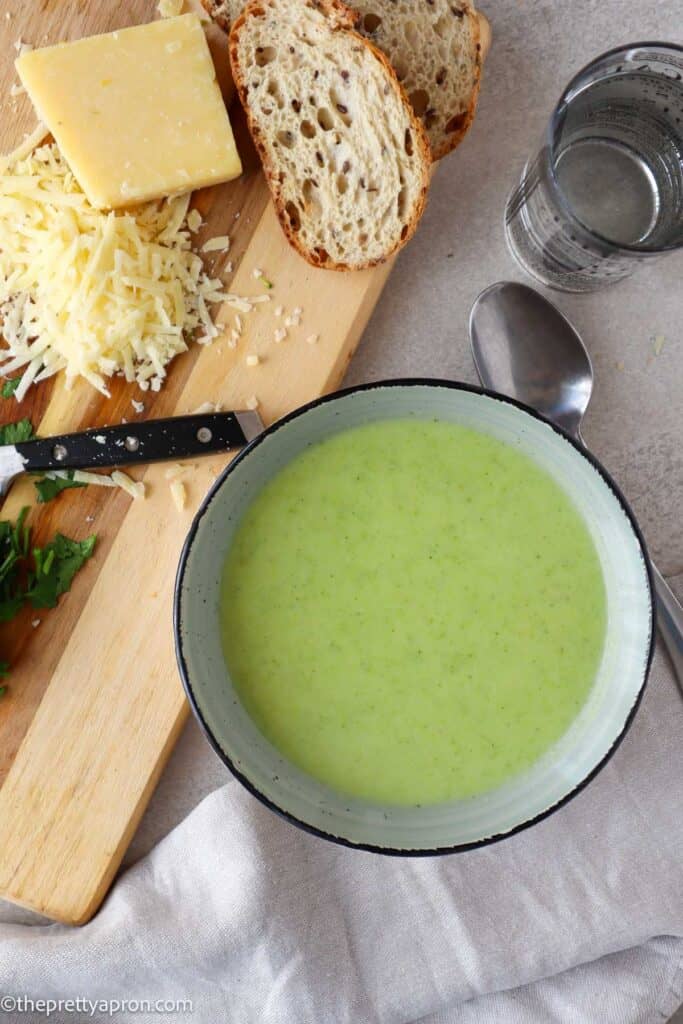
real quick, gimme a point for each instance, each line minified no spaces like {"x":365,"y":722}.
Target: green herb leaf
{"x":15,"y":433}
{"x":54,"y":568}
{"x":9,"y":387}
{"x":265,"y":282}
{"x":56,"y":565}
{"x":49,"y":487}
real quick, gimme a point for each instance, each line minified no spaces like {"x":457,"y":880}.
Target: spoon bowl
{"x":525,"y":348}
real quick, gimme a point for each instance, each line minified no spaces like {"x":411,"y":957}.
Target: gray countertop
{"x":420,"y":325}
{"x":419,"y":328}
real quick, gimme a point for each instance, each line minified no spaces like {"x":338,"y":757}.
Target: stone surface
{"x":420,"y":325}
{"x":419,"y":328}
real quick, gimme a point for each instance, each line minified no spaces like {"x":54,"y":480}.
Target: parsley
{"x":55,"y":567}
{"x":49,"y":487}
{"x":9,"y":387}
{"x":37,"y":577}
{"x":15,"y":433}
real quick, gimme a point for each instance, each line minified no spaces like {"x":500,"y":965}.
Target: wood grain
{"x":95,"y":704}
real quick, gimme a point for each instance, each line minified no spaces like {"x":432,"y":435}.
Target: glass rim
{"x":562,"y":200}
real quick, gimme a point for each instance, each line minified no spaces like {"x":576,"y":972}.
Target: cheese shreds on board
{"x":136,"y":488}
{"x":178,"y":494}
{"x":90,"y":292}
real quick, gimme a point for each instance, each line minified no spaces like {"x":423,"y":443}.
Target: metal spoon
{"x":524,"y":347}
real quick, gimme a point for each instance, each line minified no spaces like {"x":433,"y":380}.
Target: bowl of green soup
{"x":414,"y":617}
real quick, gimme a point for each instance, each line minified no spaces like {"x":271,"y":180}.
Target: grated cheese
{"x":253,"y":360}
{"x":136,"y":489}
{"x":178,"y":494}
{"x":216,"y":244}
{"x":91,"y":292}
{"x":194,"y":220}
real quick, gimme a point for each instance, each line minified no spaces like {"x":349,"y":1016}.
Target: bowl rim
{"x":405,"y":382}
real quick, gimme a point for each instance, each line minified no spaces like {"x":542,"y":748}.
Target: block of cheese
{"x":137,"y":113}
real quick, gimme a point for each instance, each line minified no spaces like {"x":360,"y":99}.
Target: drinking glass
{"x":605,"y":192}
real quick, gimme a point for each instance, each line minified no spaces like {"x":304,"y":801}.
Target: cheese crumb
{"x":204,"y":409}
{"x":253,"y":360}
{"x":297,"y":311}
{"x":136,"y":489}
{"x":178,"y":494}
{"x":138,"y":406}
{"x":16,"y":89}
{"x":238,"y":323}
{"x":239,"y":303}
{"x":256,"y":273}
{"x":279,"y":310}
{"x":220,"y":242}
{"x":35,"y":623}
{"x":194,"y":220}
{"x":280,"y":335}
{"x":311,"y":339}
{"x":252,"y":402}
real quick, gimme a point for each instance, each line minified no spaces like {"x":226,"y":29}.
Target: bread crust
{"x":456,"y":137}
{"x":213,"y":9}
{"x":343,"y":19}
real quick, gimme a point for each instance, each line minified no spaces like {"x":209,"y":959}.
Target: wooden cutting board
{"x":94,"y":704}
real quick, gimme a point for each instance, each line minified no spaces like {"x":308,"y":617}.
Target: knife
{"x":129,"y":444}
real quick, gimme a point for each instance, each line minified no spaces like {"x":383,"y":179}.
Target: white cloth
{"x":255,"y":921}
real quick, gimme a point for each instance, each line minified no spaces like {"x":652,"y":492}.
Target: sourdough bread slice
{"x":435,"y":49}
{"x":223,"y":12}
{"x":345,"y":157}
{"x":433,"y":45}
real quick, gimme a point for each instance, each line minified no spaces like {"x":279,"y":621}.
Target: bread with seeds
{"x":433,"y":45}
{"x":345,"y":157}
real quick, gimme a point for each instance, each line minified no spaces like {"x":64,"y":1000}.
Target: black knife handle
{"x":178,"y":437}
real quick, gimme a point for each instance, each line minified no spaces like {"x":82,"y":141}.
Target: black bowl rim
{"x":405,"y":382}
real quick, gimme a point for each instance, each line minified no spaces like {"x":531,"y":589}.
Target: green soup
{"x":412,"y":611}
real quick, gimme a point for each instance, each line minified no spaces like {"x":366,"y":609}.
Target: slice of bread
{"x":435,"y":49}
{"x":223,"y":12}
{"x":345,"y":157}
{"x":433,"y":45}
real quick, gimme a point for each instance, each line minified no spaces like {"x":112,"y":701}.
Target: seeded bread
{"x":435,"y":50}
{"x":345,"y":157}
{"x":223,"y":12}
{"x":433,"y":45}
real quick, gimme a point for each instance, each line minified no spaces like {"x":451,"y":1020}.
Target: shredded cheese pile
{"x":91,"y":292}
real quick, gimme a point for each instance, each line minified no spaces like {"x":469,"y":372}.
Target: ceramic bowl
{"x":461,"y":824}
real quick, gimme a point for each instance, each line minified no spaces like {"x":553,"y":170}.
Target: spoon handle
{"x":670,"y":621}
